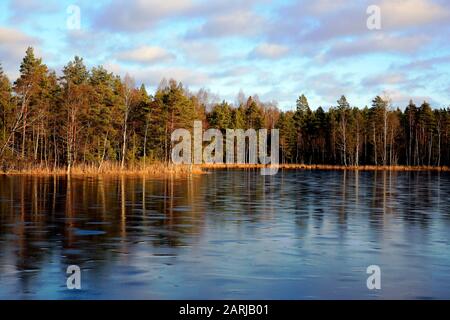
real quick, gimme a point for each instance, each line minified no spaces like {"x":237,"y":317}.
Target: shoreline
{"x":328,"y":167}
{"x":164,"y":170}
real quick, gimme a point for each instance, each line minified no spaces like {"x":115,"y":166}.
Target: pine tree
{"x":301,"y":117}
{"x":5,"y":103}
{"x":343,"y":109}
{"x":76,"y":94}
{"x":102,"y":118}
{"x":221,"y":116}
{"x":410,"y":125}
{"x":253,"y":115}
{"x":288,"y":136}
{"x":28,"y":87}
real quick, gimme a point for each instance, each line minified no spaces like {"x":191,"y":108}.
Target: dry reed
{"x":160,"y":169}
{"x":108,"y":168}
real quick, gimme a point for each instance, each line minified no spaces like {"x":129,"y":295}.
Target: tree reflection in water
{"x":228,"y":234}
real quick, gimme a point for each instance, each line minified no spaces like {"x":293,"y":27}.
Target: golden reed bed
{"x":163,"y":170}
{"x":153,"y":170}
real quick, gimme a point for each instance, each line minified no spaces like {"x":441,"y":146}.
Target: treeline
{"x":93,"y":116}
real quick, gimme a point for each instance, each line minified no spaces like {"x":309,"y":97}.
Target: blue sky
{"x":275,"y":49}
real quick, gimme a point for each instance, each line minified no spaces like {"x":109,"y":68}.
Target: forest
{"x":95,"y":117}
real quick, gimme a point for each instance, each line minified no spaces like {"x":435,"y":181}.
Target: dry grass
{"x":110,"y":168}
{"x":327,"y":167}
{"x":164,"y":170}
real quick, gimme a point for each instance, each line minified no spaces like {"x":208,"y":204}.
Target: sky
{"x":275,"y":49}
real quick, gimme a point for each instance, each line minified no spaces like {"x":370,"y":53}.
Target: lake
{"x":227,"y":235}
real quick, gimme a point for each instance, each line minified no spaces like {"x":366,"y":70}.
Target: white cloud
{"x":411,"y":13}
{"x":152,"y":76}
{"x":327,"y":20}
{"x":201,"y":52}
{"x":401,"y":98}
{"x":324,"y":6}
{"x":269,"y":51}
{"x":21,"y":10}
{"x":13,"y":44}
{"x":378,"y":43}
{"x":137,"y":15}
{"x":385,"y":79}
{"x":328,"y":86}
{"x":241,"y":22}
{"x":188,"y":76}
{"x":146,"y":54}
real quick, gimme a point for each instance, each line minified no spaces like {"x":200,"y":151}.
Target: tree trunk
{"x":439,"y":147}
{"x":104,"y":152}
{"x":357,"y":145}
{"x":385,"y":137}
{"x":145,"y":144}
{"x":124,"y":145}
{"x":375,"y":146}
{"x":24,"y":130}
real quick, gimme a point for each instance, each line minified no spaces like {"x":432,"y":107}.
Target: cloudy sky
{"x":276,"y":49}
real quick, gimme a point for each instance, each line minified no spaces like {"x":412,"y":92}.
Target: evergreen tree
{"x":302,"y":116}
{"x":5,"y":104}
{"x":76,"y":94}
{"x":28,"y":88}
{"x":288,"y":136}
{"x":221,"y":116}
{"x":253,"y":115}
